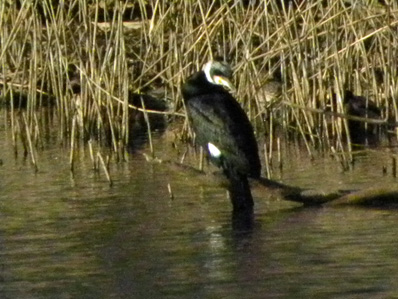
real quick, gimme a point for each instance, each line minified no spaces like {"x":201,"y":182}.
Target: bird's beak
{"x":223,"y":81}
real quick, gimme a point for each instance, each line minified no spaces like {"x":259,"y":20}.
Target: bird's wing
{"x":220,"y":120}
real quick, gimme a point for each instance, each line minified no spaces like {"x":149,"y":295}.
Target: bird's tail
{"x":241,"y":197}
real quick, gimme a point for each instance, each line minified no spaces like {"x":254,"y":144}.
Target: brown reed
{"x":319,"y":49}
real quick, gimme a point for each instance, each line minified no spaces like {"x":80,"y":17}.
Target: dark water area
{"x":74,"y":236}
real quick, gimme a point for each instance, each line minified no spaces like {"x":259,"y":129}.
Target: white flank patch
{"x":214,"y":151}
{"x":206,"y":69}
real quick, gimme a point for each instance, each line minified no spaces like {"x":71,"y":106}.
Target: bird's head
{"x":219,"y":73}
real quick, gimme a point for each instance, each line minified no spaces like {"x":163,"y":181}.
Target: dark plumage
{"x":223,"y":129}
{"x":354,"y":105}
{"x":360,"y":106}
{"x":138,"y":126}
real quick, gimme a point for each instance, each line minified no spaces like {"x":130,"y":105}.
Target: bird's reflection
{"x":243,"y":218}
{"x":242,"y":221}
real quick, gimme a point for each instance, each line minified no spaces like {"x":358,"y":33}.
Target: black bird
{"x":354,"y":105}
{"x":223,"y":129}
{"x":138,"y":126}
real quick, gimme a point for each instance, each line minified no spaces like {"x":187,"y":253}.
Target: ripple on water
{"x":74,"y":236}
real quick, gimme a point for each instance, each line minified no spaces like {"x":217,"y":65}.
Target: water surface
{"x":74,"y":236}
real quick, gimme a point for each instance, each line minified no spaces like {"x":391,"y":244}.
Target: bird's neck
{"x":198,"y":85}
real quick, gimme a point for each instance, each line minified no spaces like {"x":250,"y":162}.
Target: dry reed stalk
{"x":105,"y":167}
{"x":30,"y":144}
{"x":319,"y":50}
{"x":268,"y":170}
{"x":149,"y":132}
{"x":171,"y":195}
{"x":93,"y":160}
{"x":72,"y":145}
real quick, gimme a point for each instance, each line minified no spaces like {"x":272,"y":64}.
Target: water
{"x":64,"y":236}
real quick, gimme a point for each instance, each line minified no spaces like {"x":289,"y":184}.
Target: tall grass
{"x":319,"y":47}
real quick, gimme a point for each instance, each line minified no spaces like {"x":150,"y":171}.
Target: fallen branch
{"x":380,"y":196}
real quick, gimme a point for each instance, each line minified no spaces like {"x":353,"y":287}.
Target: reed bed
{"x":72,"y":66}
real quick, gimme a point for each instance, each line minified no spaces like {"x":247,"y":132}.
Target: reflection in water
{"x":64,"y":236}
{"x":318,"y":252}
{"x":242,"y":221}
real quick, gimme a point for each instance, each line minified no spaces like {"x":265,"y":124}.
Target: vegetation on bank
{"x":72,"y":67}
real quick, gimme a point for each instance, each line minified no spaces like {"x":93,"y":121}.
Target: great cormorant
{"x":138,"y":122}
{"x":223,"y":129}
{"x":354,"y":105}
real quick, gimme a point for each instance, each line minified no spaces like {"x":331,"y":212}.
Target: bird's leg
{"x":240,"y":195}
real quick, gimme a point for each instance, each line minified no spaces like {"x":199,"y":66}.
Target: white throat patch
{"x":213,"y":150}
{"x":206,"y":69}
